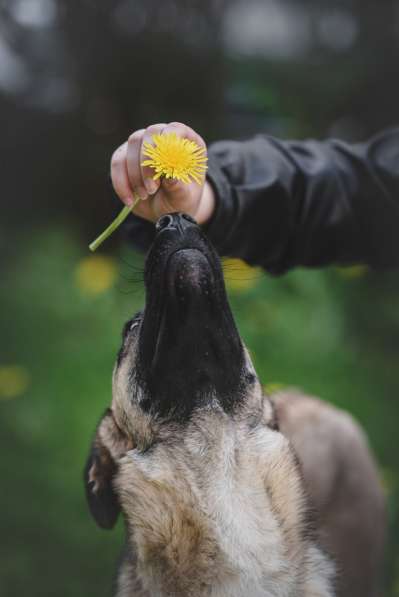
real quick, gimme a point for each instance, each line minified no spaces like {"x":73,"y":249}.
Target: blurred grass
{"x":62,"y":317}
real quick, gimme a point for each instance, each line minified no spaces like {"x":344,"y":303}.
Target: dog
{"x":225,"y":492}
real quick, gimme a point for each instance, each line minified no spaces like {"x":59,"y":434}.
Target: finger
{"x":163,"y":204}
{"x":147,"y":172}
{"x":119,"y":175}
{"x":183,"y":130}
{"x":133,"y":163}
{"x":191,"y":135}
{"x":145,"y":209}
{"x":171,"y":186}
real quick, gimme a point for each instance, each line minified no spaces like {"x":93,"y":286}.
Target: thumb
{"x":179,"y":195}
{"x":175,"y":195}
{"x":173,"y":189}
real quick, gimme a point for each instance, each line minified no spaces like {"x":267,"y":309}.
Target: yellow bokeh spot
{"x":14,"y":381}
{"x":273,"y":387}
{"x":239,"y":276}
{"x":352,"y":272}
{"x":96,"y":274}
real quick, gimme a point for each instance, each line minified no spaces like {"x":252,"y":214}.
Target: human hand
{"x":130,"y":179}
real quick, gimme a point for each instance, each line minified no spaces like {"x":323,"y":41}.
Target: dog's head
{"x":181,"y":353}
{"x":183,"y":349}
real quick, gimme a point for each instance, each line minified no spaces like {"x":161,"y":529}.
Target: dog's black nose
{"x":175,"y":221}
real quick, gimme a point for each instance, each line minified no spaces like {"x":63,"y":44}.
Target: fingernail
{"x":151,"y":186}
{"x":140,"y":194}
{"x":170,"y":182}
{"x":128,"y":201}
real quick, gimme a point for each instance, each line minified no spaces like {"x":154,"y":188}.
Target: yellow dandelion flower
{"x":172,"y":157}
{"x":175,"y":157}
{"x":14,"y":381}
{"x":352,"y":272}
{"x":95,"y":275}
{"x":239,"y":276}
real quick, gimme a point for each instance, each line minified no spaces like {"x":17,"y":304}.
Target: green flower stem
{"x":113,"y":226}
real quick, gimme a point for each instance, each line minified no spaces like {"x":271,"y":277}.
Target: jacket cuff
{"x":219,"y":227}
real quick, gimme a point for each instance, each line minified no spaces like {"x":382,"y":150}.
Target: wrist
{"x":206,"y":206}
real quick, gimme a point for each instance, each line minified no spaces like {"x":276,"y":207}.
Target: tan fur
{"x":218,"y":506}
{"x":219,"y":509}
{"x":342,"y":479}
{"x":111,"y":444}
{"x":215,"y":506}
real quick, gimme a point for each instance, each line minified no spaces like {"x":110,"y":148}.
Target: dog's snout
{"x":188,"y":218}
{"x":175,"y":221}
{"x":164,"y":222}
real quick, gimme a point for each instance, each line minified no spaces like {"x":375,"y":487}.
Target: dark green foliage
{"x":328,"y":334}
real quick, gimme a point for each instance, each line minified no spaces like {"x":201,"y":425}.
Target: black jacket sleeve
{"x":281,"y":204}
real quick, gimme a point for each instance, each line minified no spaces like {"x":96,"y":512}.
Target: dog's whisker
{"x":134,"y":279}
{"x":132,"y":266}
{"x":134,"y":289}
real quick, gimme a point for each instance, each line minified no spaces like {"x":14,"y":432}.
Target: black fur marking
{"x":189,"y":347}
{"x":128,"y":324}
{"x":125,"y":334}
{"x":250,"y":378}
{"x":274,"y":423}
{"x":101,"y":498}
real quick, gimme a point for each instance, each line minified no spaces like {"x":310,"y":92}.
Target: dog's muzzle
{"x":188,"y":341}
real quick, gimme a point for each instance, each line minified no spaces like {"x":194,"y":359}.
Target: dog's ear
{"x":108,"y":445}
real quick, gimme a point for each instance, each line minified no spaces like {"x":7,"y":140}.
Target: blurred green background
{"x":75,"y":79}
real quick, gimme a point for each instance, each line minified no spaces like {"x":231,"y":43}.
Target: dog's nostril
{"x":165,"y":221}
{"x":188,"y":218}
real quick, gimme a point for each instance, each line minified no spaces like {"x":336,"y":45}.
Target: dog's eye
{"x":131,"y":324}
{"x":128,"y":328}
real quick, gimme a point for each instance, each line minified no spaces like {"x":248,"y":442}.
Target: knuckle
{"x":177,"y":128}
{"x":134,"y":137}
{"x":153,"y":128}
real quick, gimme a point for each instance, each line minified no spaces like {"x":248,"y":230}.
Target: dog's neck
{"x":216,"y":507}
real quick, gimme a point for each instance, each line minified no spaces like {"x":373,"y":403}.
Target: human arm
{"x":282,"y":204}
